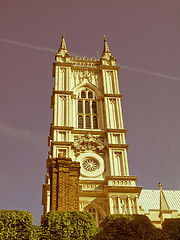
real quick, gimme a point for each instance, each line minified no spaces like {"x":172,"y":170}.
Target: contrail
{"x":130,"y":68}
{"x":149,"y":72}
{"x":27,"y":45}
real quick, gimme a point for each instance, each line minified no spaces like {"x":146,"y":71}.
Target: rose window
{"x":90,"y":164}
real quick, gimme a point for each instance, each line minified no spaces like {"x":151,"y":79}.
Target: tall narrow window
{"x":80,"y":107}
{"x":88,"y":125}
{"x":87,"y":107}
{"x":95,"y":122}
{"x":80,"y":121}
{"x":94,"y":108}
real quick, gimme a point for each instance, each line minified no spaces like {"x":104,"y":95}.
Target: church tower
{"x":87,"y":166}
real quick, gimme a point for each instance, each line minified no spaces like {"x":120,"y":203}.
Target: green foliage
{"x":172,"y":228}
{"x":81,"y":226}
{"x":68,"y":226}
{"x":36,"y":232}
{"x":131,"y":227}
{"x":15,"y":224}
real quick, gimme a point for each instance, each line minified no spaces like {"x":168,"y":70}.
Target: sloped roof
{"x":150,"y":199}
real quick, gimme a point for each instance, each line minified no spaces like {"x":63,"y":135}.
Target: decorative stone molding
{"x":93,"y":77}
{"x":92,"y":187}
{"x":121,"y":183}
{"x":89,"y":143}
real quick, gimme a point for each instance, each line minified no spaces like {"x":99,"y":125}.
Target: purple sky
{"x":144,"y":37}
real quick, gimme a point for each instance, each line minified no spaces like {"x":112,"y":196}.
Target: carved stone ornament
{"x":88,"y":142}
{"x":92,"y":76}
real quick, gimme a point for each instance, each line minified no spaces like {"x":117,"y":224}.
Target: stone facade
{"x":87,"y":129}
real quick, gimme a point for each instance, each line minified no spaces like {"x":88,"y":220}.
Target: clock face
{"x":92,"y":165}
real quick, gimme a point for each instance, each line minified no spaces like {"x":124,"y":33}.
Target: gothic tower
{"x":87,"y":166}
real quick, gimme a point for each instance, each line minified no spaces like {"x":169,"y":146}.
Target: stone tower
{"x":87,"y":130}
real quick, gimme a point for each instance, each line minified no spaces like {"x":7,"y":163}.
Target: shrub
{"x":36,"y":232}
{"x":15,"y":224}
{"x":68,"y":225}
{"x":131,"y":227}
{"x":172,"y":228}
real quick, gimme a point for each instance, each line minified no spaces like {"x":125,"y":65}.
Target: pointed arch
{"x":85,"y":84}
{"x":97,"y":212}
{"x":88,"y":107}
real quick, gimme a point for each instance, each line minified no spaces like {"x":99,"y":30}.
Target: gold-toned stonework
{"x":87,"y":165}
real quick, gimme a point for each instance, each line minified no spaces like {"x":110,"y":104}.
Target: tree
{"x":68,"y":226}
{"x":130,"y":227}
{"x":15,"y":224}
{"x":172,"y":228}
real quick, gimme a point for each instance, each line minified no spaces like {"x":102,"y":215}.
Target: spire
{"x":106,"y":47}
{"x":163,"y":202}
{"x":164,"y":207}
{"x":63,"y":49}
{"x":107,"y":55}
{"x":63,"y":43}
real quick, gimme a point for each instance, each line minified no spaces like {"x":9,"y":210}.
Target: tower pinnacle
{"x":107,"y":55}
{"x":63,"y":43}
{"x":106,"y":47}
{"x":63,"y":49}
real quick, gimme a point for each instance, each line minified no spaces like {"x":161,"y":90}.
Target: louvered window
{"x":88,"y":125}
{"x":94,"y":109}
{"x":87,"y":107}
{"x":80,"y":121}
{"x":80,"y":107}
{"x":95,"y":122}
{"x":87,"y":116}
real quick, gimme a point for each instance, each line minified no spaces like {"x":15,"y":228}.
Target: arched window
{"x":88,"y":124}
{"x":80,"y":107}
{"x":80,"y":121}
{"x":87,"y":107}
{"x":95,"y":211}
{"x":94,"y":108}
{"x":87,"y":110}
{"x":95,"y":122}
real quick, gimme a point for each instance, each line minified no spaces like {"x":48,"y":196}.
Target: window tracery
{"x":94,"y":210}
{"x":87,"y":110}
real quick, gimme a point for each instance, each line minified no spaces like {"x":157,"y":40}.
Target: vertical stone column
{"x":48,"y":201}
{"x":129,"y":205}
{"x":119,"y":205}
{"x":111,"y":205}
{"x":137,"y":205}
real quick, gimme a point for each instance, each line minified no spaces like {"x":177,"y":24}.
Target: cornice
{"x":122,"y":189}
{"x":109,"y":67}
{"x":61,"y":127}
{"x":62,"y":143}
{"x":62,"y":92}
{"x":113,"y":95}
{"x":117,"y":146}
{"x":84,"y":131}
{"x":116,"y":130}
